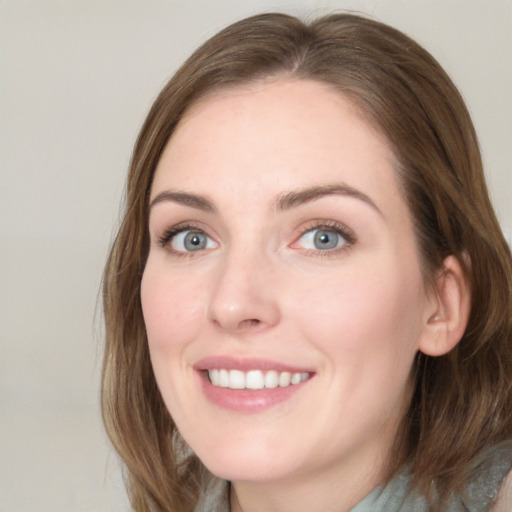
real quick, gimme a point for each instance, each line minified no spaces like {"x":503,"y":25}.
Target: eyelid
{"x":168,"y":235}
{"x":329,"y":225}
{"x":345,"y":232}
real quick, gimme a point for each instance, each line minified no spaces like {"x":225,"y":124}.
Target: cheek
{"x":365,"y":319}
{"x":171,"y":307}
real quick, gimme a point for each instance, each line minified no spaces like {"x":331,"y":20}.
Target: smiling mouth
{"x":255,"y":379}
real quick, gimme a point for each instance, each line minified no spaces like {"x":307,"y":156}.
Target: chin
{"x":255,"y":464}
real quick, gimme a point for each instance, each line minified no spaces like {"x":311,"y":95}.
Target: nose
{"x":244,"y":298}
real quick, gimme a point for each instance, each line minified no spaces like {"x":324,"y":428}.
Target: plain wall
{"x":76,"y":79}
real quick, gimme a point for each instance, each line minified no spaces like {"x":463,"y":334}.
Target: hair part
{"x":462,"y":402}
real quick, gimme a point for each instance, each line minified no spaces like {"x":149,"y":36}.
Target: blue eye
{"x":322,"y":239}
{"x":189,"y":240}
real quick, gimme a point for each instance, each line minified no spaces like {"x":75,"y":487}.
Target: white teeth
{"x":271,"y":379}
{"x":255,"y":379}
{"x":214,"y":377}
{"x":295,"y":378}
{"x":236,"y":379}
{"x":284,"y":379}
{"x":223,"y":378}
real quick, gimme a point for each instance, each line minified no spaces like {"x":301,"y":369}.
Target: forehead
{"x":274,"y":135}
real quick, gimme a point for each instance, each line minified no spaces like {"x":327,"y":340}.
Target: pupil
{"x":194,"y":241}
{"x":325,"y":239}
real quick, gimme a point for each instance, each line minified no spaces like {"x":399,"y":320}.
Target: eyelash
{"x":166,"y":238}
{"x":329,"y":225}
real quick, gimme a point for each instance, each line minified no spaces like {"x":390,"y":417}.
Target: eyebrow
{"x":284,"y":202}
{"x":184,"y":198}
{"x":299,"y":197}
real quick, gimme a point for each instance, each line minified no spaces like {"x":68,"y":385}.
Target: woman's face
{"x":282,"y":259}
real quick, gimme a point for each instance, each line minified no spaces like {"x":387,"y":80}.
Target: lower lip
{"x":248,"y":400}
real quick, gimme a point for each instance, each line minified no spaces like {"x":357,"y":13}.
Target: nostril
{"x":250,"y":322}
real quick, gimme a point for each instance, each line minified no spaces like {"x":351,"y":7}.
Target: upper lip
{"x":246,"y":364}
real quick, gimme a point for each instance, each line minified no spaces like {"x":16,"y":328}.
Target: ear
{"x":448,"y":312}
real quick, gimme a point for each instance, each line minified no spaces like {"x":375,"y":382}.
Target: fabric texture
{"x":486,"y":478}
{"x":487,"y":475}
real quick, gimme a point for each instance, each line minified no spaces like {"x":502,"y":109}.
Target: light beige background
{"x":76,"y":79}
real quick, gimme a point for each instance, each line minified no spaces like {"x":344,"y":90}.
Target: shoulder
{"x":492,"y":489}
{"x":504,"y":501}
{"x":488,"y":480}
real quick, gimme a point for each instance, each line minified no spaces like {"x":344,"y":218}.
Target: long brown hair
{"x":462,"y":401}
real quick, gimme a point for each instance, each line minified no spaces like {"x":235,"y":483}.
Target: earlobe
{"x":448,"y":316}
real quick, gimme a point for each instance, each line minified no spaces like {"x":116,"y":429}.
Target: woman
{"x":309,"y":294}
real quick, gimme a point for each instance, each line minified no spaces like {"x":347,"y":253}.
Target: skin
{"x":355,"y":315}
